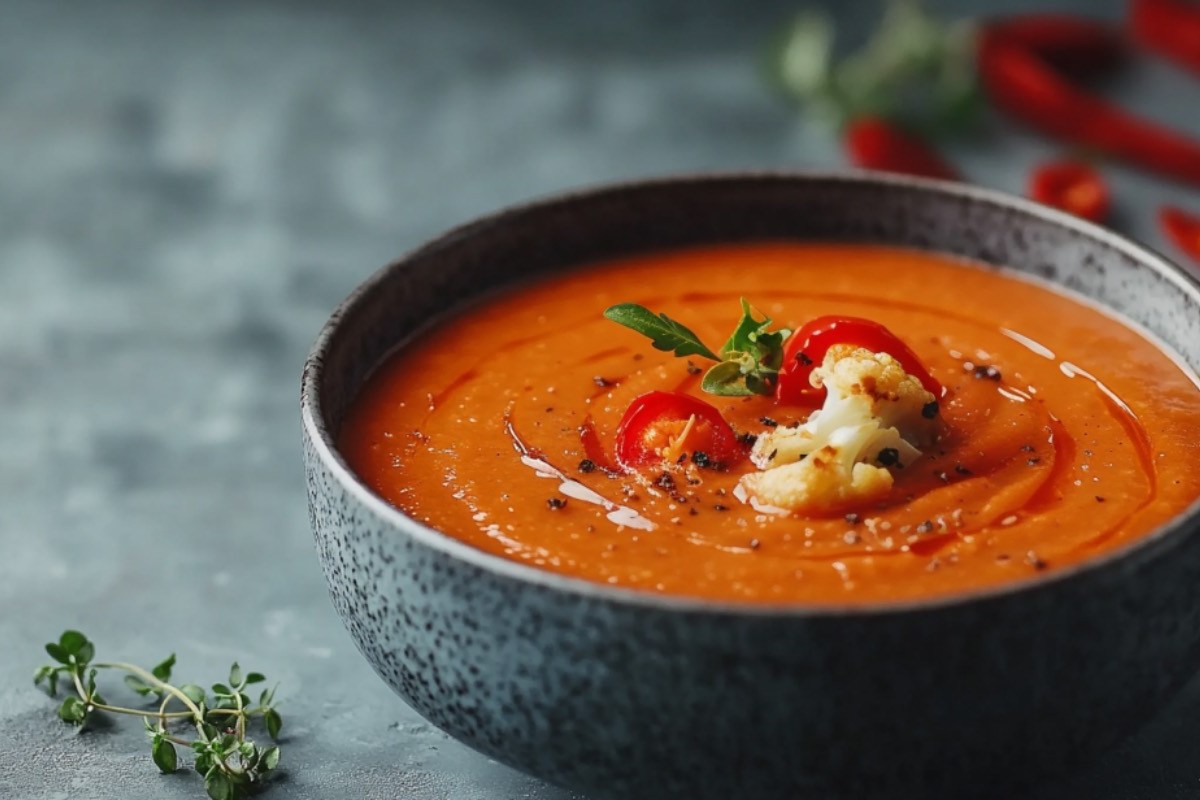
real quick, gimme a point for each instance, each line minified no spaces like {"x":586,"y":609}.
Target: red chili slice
{"x":805,"y":350}
{"x":875,"y":143}
{"x":1072,"y":186}
{"x":1183,"y":229}
{"x":656,"y":420}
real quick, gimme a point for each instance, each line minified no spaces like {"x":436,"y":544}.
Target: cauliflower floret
{"x":874,"y":417}
{"x":826,"y":479}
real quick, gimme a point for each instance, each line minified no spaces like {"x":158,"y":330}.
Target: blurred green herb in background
{"x":914,"y":70}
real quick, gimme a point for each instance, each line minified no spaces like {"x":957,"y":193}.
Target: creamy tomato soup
{"x":1064,"y":433}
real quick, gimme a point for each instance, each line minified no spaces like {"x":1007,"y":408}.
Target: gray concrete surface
{"x":187,"y":189}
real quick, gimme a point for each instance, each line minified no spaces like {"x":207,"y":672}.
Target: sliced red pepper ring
{"x":806,"y":348}
{"x":1073,"y":186}
{"x":1183,"y":229}
{"x":660,"y":426}
{"x":875,"y":143}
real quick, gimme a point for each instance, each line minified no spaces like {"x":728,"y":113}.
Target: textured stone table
{"x":188,"y":188}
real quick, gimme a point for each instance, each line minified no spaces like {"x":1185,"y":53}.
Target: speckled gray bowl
{"x":633,"y":695}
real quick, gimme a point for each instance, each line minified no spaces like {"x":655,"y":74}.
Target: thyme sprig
{"x":233,"y":765}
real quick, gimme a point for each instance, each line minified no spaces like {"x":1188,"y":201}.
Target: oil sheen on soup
{"x":1062,"y":433}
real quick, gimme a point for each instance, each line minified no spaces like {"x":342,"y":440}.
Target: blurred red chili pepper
{"x":1183,"y":229}
{"x":875,"y":143}
{"x":1170,"y":28}
{"x":1072,"y":186}
{"x":1075,"y":45}
{"x":1025,"y":84}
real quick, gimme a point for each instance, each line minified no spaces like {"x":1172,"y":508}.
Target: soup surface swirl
{"x":495,"y":426}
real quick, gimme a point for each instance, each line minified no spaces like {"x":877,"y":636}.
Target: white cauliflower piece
{"x":874,"y":417}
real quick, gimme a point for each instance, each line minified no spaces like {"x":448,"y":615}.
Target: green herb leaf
{"x":235,"y":675}
{"x":164,"y":755}
{"x":221,"y":689}
{"x":254,"y":677}
{"x":274,"y":723}
{"x":72,"y":710}
{"x":751,"y":335}
{"x":162,"y":670}
{"x":49,"y":676}
{"x":193,"y":692}
{"x":665,"y":333}
{"x":270,"y":758}
{"x":72,"y":641}
{"x":58,"y":653}
{"x":724,"y":379}
{"x":218,"y":786}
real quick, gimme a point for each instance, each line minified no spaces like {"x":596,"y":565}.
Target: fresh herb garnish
{"x":233,"y":765}
{"x":748,"y":363}
{"x":664,"y":332}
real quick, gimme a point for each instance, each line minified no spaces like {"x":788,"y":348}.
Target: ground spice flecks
{"x":983,"y":371}
{"x":888,"y":456}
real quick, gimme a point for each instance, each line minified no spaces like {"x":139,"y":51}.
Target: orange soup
{"x":1066,"y":433}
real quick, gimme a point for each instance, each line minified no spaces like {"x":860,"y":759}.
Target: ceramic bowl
{"x":624,"y":694}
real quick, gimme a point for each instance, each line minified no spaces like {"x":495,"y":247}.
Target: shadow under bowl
{"x":627,"y":694}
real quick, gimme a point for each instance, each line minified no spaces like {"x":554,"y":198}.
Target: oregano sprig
{"x":748,"y":363}
{"x":233,"y":765}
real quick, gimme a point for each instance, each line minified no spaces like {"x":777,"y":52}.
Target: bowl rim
{"x":1166,"y":536}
